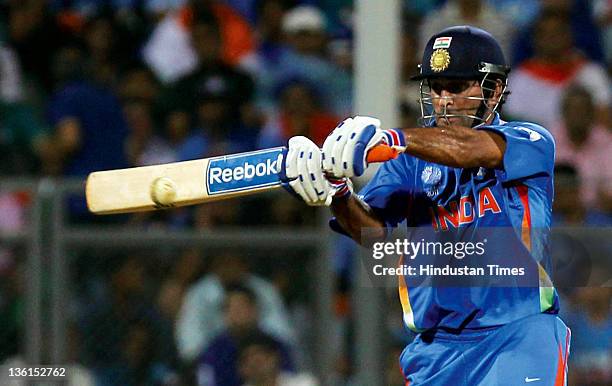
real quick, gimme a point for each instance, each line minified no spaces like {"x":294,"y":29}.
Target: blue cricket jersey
{"x":517,"y":196}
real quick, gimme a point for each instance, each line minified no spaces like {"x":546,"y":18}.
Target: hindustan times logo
{"x":412,"y":249}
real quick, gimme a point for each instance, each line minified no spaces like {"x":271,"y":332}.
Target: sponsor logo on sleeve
{"x":533,"y":135}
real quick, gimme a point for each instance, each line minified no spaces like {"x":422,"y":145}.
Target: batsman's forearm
{"x":353,"y":216}
{"x":454,"y":146}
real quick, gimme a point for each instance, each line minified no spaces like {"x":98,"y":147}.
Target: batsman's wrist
{"x":342,"y":185}
{"x":394,"y":137}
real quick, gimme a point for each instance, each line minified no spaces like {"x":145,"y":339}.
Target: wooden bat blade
{"x":197,"y":181}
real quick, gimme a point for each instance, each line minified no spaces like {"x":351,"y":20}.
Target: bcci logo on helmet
{"x":440,"y":60}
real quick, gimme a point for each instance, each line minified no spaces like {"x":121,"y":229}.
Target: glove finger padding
{"x":363,"y":121}
{"x":303,"y":170}
{"x":290,"y":163}
{"x":345,"y":150}
{"x":319,"y":183}
{"x":332,"y":148}
{"x":305,"y":175}
{"x":296,"y":145}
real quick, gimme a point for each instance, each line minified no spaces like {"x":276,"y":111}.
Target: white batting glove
{"x":346,"y":148}
{"x":303,"y":176}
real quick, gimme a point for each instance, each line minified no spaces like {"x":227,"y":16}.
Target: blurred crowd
{"x":90,"y":85}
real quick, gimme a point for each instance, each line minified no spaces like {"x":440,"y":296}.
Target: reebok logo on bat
{"x":246,"y":171}
{"x":243,"y":171}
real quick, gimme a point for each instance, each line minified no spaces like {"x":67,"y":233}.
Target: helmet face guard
{"x":491,"y":74}
{"x":462,"y":53}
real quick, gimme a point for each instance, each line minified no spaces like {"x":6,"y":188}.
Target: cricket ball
{"x":163,"y":191}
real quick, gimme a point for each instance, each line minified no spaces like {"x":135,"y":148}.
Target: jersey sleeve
{"x":389,"y":192}
{"x":530,"y":150}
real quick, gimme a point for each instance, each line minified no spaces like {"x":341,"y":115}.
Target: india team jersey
{"x":517,"y":197}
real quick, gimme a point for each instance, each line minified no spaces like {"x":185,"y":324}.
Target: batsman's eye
{"x":453,"y":86}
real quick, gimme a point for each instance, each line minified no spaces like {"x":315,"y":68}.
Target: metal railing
{"x":49,"y":237}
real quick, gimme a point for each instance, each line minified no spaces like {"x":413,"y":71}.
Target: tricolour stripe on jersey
{"x":547,"y":291}
{"x":404,"y":376}
{"x":405,"y":300}
{"x":523,"y":192}
{"x":561,"y":376}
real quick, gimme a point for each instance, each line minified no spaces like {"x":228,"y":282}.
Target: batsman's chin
{"x":451,"y":121}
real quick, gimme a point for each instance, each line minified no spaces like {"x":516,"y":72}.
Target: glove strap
{"x":343,"y":186}
{"x":394,"y":137}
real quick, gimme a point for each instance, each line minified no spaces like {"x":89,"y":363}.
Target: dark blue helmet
{"x":462,"y":52}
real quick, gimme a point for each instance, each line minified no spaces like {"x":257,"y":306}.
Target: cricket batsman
{"x":466,"y":168}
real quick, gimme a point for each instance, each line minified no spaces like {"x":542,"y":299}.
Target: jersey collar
{"x":495,"y":122}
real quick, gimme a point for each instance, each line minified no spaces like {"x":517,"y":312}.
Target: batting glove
{"x":346,"y":148}
{"x":302,"y":175}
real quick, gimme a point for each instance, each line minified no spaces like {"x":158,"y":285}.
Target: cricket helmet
{"x":463,"y":52}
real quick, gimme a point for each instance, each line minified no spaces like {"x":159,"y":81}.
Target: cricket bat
{"x":184,"y":183}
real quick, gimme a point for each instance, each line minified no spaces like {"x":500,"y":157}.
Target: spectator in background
{"x":101,"y":39}
{"x":23,"y":134}
{"x":300,"y":114}
{"x":35,"y":36}
{"x":177,"y":126}
{"x":582,"y":23}
{"x":11,"y":78}
{"x":137,"y":82}
{"x":266,"y":63}
{"x":143,"y":145}
{"x":268,"y":26}
{"x":218,"y":130}
{"x":471,"y":12}
{"x":521,"y":13}
{"x":584,"y":143}
{"x":218,"y":364}
{"x":183,"y":273}
{"x":24,"y":140}
{"x":125,"y":340}
{"x":305,"y":30}
{"x":590,"y":318}
{"x":539,"y":82}
{"x":217,"y":94}
{"x":302,"y":54}
{"x":261,"y":365}
{"x":89,"y":127}
{"x":217,"y":214}
{"x":602,"y":12}
{"x":201,"y":317}
{"x":147,"y":143}
{"x":568,"y":208}
{"x":171,"y":51}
